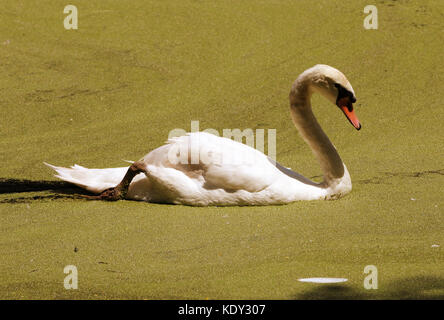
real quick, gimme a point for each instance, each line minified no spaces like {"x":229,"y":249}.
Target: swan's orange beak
{"x":347,"y":107}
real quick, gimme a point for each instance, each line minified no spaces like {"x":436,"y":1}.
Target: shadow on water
{"x":385,"y":177}
{"x":421,"y":287}
{"x":63,"y":190}
{"x":332,"y":292}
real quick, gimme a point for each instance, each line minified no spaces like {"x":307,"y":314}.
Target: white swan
{"x":159,"y":178}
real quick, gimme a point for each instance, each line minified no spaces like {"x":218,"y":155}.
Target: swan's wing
{"x":220,"y":163}
{"x":290,"y":173}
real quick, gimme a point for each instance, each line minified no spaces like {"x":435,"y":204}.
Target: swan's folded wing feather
{"x":224,"y":163}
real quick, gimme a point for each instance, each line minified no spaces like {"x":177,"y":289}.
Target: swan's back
{"x":215,"y":162}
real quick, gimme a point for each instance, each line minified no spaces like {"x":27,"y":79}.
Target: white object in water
{"x":232,"y":173}
{"x":323,"y":280}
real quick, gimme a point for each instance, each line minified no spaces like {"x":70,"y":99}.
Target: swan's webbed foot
{"x":120,"y":191}
{"x":112,"y":194}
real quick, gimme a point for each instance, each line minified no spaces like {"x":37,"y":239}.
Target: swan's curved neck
{"x":309,"y":128}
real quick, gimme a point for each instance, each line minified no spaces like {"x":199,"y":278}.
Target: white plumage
{"x":202,"y":169}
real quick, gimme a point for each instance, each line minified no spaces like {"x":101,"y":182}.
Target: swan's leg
{"x":120,"y":191}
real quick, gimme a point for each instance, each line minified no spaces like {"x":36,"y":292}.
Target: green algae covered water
{"x":134,"y":70}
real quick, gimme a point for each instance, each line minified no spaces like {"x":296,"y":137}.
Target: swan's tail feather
{"x":94,"y":180}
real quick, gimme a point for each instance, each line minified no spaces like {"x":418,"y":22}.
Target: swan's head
{"x":332,"y":84}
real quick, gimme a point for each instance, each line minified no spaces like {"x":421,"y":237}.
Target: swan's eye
{"x":342,"y":92}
